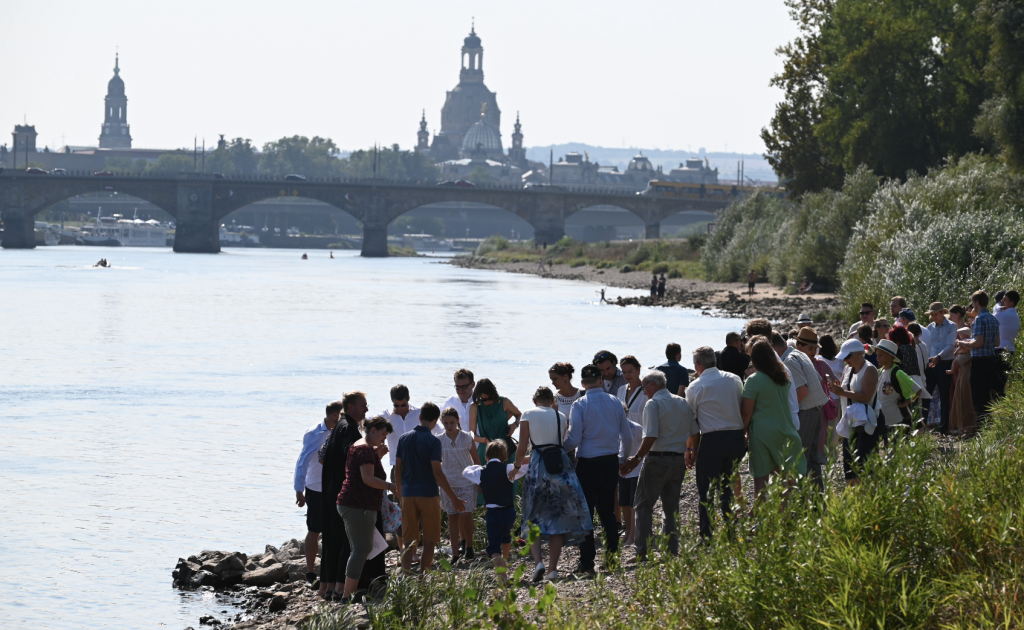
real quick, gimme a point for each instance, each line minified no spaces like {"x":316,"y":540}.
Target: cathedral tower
{"x":423,"y":136}
{"x":517,"y":154}
{"x":116,"y":133}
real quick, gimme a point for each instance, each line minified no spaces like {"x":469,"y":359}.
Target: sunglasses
{"x":867,"y":312}
{"x":486,"y":399}
{"x":399,"y":405}
{"x":602,"y":356}
{"x":463,"y":387}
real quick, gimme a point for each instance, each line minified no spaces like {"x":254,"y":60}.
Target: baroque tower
{"x":517,"y":154}
{"x":116,"y":133}
{"x":423,"y":136}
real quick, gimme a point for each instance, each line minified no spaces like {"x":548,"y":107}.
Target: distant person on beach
{"x":654,"y":285}
{"x":751,"y":281}
{"x":611,"y":375}
{"x":457,"y":452}
{"x":597,"y":423}
{"x":603,"y":300}
{"x":463,"y":398}
{"x":867,"y":316}
{"x":418,"y":466}
{"x":305,"y":257}
{"x":714,"y":398}
{"x":332,"y":254}
{"x":360,"y":499}
{"x":732,"y":359}
{"x":667,"y":427}
{"x":308,"y":482}
{"x":661,"y":287}
{"x":495,"y":480}
{"x":677,"y":376}
{"x":553,"y":499}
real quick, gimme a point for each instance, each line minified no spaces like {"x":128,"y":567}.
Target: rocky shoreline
{"x":714,"y":299}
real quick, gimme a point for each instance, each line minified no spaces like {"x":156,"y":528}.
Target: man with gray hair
{"x":668,"y":425}
{"x":714,"y":398}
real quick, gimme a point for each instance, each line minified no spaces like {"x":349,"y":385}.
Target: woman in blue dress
{"x":553,"y":501}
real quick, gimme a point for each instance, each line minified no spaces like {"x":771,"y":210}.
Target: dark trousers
{"x":599,"y":480}
{"x":986,"y":384}
{"x":810,"y":436}
{"x":718,"y":456}
{"x":943,"y":383}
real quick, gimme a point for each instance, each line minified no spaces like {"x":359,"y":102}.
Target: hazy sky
{"x":664,"y":74}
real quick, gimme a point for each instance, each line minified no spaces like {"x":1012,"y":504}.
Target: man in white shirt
{"x":867,"y":316}
{"x":1009,"y":321}
{"x":308,"y":482}
{"x":797,"y":382}
{"x":942,"y":333}
{"x":714,"y":399}
{"x":463,"y":397}
{"x":403,"y":416}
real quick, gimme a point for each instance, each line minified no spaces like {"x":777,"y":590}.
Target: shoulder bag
{"x":552,"y":453}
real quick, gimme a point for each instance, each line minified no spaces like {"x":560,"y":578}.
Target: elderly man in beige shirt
{"x":668,"y":425}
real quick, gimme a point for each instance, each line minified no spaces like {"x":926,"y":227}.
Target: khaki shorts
{"x":422,"y":512}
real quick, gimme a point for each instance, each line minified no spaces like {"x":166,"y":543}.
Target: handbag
{"x":551,"y":454}
{"x":391,"y":514}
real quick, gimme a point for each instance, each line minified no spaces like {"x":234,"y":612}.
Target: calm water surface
{"x":156,"y":409}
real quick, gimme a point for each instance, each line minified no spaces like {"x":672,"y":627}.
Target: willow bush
{"x":940,"y":236}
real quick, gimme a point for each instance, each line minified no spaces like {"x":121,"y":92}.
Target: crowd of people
{"x":623,"y":440}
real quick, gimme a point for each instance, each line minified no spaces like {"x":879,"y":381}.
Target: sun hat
{"x":889,"y":347}
{"x":907,"y":314}
{"x":804,"y":319}
{"x":808,"y":336}
{"x":850,"y":346}
{"x":937,"y":307}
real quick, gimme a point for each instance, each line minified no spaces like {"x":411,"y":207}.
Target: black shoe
{"x":467,"y":553}
{"x":584,"y":569}
{"x":310,"y":578}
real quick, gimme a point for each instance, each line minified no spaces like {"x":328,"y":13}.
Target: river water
{"x":155,"y":409}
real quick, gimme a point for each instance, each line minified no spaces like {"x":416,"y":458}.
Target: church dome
{"x":472,"y":41}
{"x":482,"y":134}
{"x":115,"y":87}
{"x":640,"y":163}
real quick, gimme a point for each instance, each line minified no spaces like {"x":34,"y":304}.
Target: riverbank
{"x":715,"y":299}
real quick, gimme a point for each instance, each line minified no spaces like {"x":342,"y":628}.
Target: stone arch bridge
{"x":199,"y":202}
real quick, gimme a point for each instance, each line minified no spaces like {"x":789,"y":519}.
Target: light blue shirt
{"x":943,"y":337}
{"x":597,"y":425}
{"x":308,"y":469}
{"x":1009,"y":326}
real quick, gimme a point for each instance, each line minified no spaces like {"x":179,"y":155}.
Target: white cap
{"x":850,"y":346}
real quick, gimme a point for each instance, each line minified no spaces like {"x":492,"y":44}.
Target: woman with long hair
{"x":775,"y":446}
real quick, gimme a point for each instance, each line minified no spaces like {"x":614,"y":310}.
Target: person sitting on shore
{"x":495,"y":481}
{"x":678,"y":377}
{"x":732,"y":359}
{"x":308,"y":482}
{"x":418,"y":466}
{"x":458,"y":450}
{"x":361,"y":496}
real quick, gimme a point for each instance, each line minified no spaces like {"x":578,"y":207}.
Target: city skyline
{"x":651,"y":81}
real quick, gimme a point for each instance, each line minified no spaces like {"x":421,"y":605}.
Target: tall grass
{"x":932,"y":538}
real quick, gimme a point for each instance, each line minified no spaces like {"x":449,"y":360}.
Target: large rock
{"x":183,"y":572}
{"x":204,"y":578}
{"x":291,"y":549}
{"x":266,"y":576}
{"x":278,"y":602}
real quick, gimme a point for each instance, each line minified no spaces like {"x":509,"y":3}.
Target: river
{"x":155,"y":409}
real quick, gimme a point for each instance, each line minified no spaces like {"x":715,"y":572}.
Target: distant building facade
{"x":694,"y":171}
{"x":577,"y":170}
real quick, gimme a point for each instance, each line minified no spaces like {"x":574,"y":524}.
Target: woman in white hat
{"x":855,"y":392}
{"x":896,"y":391}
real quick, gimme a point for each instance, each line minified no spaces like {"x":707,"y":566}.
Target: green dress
{"x":492,"y":422}
{"x":774,"y":442}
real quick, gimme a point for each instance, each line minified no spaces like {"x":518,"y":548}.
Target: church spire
{"x":115,"y":133}
{"x":423,"y":136}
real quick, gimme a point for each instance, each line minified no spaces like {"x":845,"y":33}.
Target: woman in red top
{"x":361,"y":495}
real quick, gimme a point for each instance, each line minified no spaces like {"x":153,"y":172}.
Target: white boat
{"x":47,"y":234}
{"x":117,"y":232}
{"x":240,"y":236}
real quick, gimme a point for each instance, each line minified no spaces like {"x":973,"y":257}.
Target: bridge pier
{"x":196,"y":229}
{"x":19,"y":230}
{"x":375,"y":241}
{"x":549,"y":234}
{"x":652,"y":231}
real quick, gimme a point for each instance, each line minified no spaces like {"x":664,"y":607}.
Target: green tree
{"x":793,"y":149}
{"x":1002,"y":117}
{"x":172,"y":162}
{"x":237,"y":157}
{"x":391,"y":163}
{"x":316,"y":157}
{"x":126,"y":165}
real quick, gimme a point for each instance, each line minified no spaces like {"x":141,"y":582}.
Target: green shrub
{"x":675,"y":273}
{"x":627,"y":268}
{"x":577,"y":263}
{"x":660,"y":268}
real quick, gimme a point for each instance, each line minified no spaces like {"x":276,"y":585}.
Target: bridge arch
{"x":470,"y":219}
{"x":45,"y":198}
{"x":604,"y":222}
